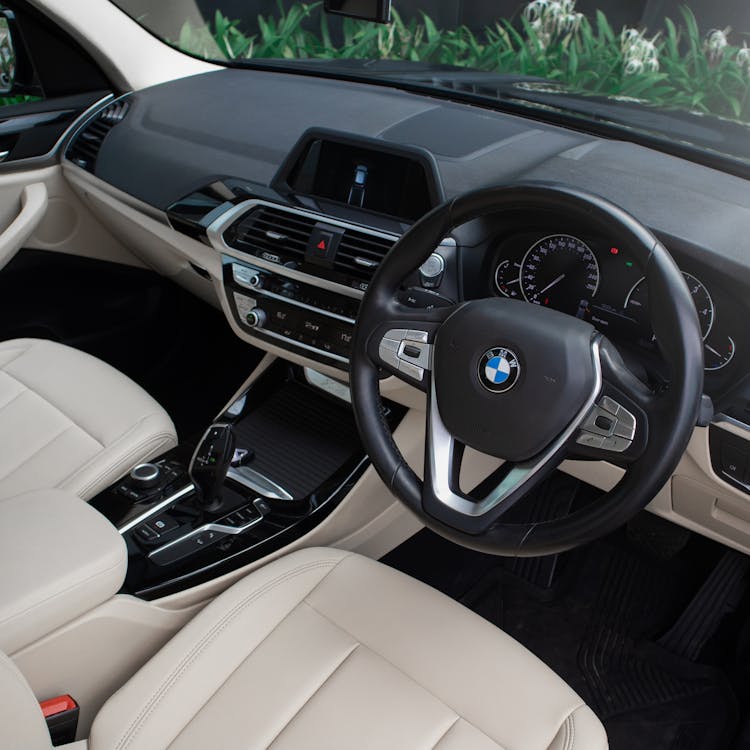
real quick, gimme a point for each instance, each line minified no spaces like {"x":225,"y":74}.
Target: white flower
{"x":552,"y":18}
{"x":743,"y":57}
{"x":640,"y":54}
{"x":715,"y":43}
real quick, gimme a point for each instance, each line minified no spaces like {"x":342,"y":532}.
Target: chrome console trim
{"x":288,"y":300}
{"x":258,"y":482}
{"x":217,"y":527}
{"x":166,"y":502}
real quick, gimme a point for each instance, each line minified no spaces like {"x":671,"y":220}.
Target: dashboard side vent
{"x":84,"y":149}
{"x":272,"y":233}
{"x":360,"y":254}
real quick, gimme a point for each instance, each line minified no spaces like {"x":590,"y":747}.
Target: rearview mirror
{"x":367,"y":10}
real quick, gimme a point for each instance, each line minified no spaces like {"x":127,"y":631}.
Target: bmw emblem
{"x":499,"y":369}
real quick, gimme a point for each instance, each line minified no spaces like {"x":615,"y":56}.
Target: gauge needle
{"x":550,"y":285}
{"x":712,"y":350}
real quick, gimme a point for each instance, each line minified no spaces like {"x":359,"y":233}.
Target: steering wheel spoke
{"x":403,"y":345}
{"x":442,"y":497}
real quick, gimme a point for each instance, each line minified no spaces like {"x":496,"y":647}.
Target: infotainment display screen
{"x":395,"y":184}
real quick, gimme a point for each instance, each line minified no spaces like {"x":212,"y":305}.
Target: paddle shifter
{"x":210,"y":464}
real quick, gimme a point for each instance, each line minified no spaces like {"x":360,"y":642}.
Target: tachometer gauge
{"x":636,"y":303}
{"x":717,"y":355}
{"x":507,"y":280}
{"x":561,"y":272}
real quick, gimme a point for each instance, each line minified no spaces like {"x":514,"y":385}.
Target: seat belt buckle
{"x":61,"y":715}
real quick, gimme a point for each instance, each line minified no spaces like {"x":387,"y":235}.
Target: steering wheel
{"x":524,"y":383}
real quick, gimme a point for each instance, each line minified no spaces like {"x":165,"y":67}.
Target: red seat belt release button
{"x":57,"y":705}
{"x":61,"y":715}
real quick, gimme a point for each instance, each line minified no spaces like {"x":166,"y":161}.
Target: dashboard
{"x":597,"y":280}
{"x":276,"y":196}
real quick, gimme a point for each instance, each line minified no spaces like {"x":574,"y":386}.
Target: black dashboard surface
{"x":244,"y":124}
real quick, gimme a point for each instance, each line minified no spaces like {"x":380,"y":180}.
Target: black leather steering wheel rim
{"x":671,"y":414}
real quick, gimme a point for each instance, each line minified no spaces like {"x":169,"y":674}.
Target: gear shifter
{"x":210,"y":463}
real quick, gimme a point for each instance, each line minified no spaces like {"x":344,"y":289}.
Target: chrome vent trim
{"x":83,"y":150}
{"x":273,"y":231}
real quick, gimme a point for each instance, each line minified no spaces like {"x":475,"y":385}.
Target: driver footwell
{"x":646,"y":625}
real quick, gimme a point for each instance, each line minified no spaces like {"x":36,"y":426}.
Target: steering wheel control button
{"x":611,"y":422}
{"x":610,"y":405}
{"x":499,"y":369}
{"x":388,"y":351}
{"x":418,"y":336}
{"x":591,"y":441}
{"x":407,"y":351}
{"x":396,"y":334}
{"x":415,"y":354}
{"x":411,"y":371}
{"x":604,"y":423}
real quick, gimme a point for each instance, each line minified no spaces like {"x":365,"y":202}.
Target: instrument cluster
{"x":598,"y":281}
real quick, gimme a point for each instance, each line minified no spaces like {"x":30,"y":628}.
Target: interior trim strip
{"x":289,"y":300}
{"x":217,"y":527}
{"x":173,"y":498}
{"x":724,"y":419}
{"x":150,"y":590}
{"x":256,"y":481}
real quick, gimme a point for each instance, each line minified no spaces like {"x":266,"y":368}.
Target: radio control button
{"x":256,"y":318}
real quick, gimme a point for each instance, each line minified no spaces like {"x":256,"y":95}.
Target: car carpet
{"x":595,"y":616}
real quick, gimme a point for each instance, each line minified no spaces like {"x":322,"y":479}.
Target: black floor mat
{"x":597,"y":626}
{"x":596,"y":630}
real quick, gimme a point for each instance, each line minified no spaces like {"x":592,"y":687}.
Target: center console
{"x":297,"y":258}
{"x":272,"y":466}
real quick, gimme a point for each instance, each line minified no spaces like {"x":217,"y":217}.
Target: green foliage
{"x":679,"y":69}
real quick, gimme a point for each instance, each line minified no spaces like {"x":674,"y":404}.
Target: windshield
{"x":655,"y":66}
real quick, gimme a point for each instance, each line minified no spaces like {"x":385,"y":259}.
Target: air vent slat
{"x":84,"y":150}
{"x":274,"y":231}
{"x":360,"y":254}
{"x":285,"y":233}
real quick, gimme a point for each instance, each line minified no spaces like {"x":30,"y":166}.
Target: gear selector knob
{"x":210,"y":463}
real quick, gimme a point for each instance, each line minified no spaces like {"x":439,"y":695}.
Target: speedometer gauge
{"x":561,"y":272}
{"x":636,"y":303}
{"x":718,"y":355}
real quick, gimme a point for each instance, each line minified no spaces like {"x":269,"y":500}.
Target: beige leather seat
{"x":322,"y":650}
{"x":68,"y":420}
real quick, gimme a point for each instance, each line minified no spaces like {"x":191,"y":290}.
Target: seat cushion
{"x":327,"y":649}
{"x":70,"y":421}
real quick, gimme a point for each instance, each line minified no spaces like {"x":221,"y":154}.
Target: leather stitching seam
{"x":36,"y":452}
{"x":52,"y":406}
{"x":144,"y":447}
{"x":208,"y":638}
{"x":312,"y":695}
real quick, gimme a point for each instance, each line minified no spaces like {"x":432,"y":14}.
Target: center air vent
{"x":282,"y":236}
{"x":273,"y":234}
{"x":84,"y":148}
{"x":359,"y":254}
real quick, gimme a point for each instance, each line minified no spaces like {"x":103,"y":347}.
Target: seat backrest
{"x":22,"y":726}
